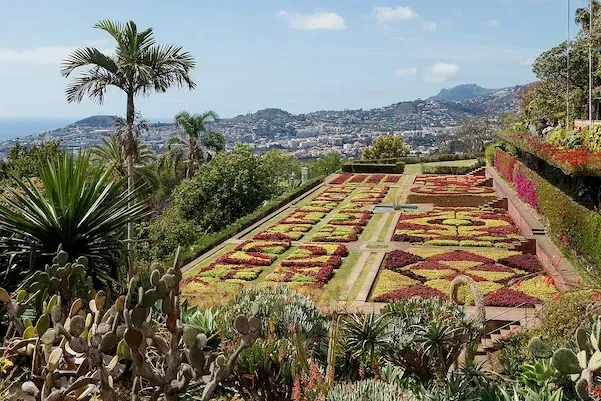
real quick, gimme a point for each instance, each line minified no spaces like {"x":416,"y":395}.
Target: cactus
{"x":366,"y":390}
{"x":539,"y":348}
{"x":480,"y":315}
{"x":584,"y":366}
{"x":187,"y":356}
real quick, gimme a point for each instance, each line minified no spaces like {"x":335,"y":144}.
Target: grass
{"x":371,"y":227}
{"x":332,"y":290}
{"x":359,"y":283}
{"x":391,"y":195}
{"x":384,"y":232}
{"x":417,"y":168}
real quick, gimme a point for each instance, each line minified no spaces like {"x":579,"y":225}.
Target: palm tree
{"x":194,"y":126}
{"x":75,"y":204}
{"x":139,"y":66}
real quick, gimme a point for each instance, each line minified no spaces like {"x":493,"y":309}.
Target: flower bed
{"x":405,"y":274}
{"x":505,"y":164}
{"x":335,"y":197}
{"x":444,"y":180}
{"x":341,"y":179}
{"x":300,"y":217}
{"x":283,"y":232}
{"x":246,"y":258}
{"x":457,"y":227}
{"x":316,"y":276}
{"x":452,"y":189}
{"x":375,"y":178}
{"x":370,"y":195}
{"x":322,"y":249}
{"x":525,"y":188}
{"x":351,"y":218}
{"x":393,"y":179}
{"x":269,"y":247}
{"x":358,"y":178}
{"x":231,"y":273}
{"x":332,"y":233}
{"x":572,"y":162}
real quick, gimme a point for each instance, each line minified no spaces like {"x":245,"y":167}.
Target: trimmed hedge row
{"x":454,"y":170}
{"x":209,"y":241}
{"x":423,"y":159}
{"x":397,"y":168}
{"x":572,"y":225}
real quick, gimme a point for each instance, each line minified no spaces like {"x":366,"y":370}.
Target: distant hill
{"x":101,"y":121}
{"x":462,"y":92}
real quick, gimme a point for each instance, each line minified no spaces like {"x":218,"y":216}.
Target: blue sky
{"x":296,"y":55}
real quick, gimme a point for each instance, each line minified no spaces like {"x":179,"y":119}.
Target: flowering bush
{"x":525,"y":188}
{"x":505,"y":164}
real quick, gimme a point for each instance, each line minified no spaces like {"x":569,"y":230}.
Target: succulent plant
{"x":585,"y":365}
{"x":480,"y":315}
{"x":366,"y":390}
{"x":187,"y":356}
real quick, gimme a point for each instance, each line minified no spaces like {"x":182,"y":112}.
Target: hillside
{"x":463,"y":92}
{"x":101,"y":121}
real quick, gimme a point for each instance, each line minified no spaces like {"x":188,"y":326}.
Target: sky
{"x":300,"y":56}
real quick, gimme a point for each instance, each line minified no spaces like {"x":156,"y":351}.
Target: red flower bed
{"x":398,"y":259}
{"x":419,"y":290}
{"x":453,"y":276}
{"x":507,"y":297}
{"x":375,"y":178}
{"x":393,"y":179}
{"x":341,"y":179}
{"x":315,"y":249}
{"x":461,"y":255}
{"x":334,"y":260}
{"x":505,"y":163}
{"x":492,"y":267}
{"x":261,"y":247}
{"x":246,"y":258}
{"x":354,"y":219}
{"x":358,"y":178}
{"x":430,"y":265}
{"x":528,"y":263}
{"x":572,"y":162}
{"x":270,"y":236}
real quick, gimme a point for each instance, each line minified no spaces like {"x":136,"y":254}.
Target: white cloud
{"x":315,"y":21}
{"x":492,"y":23}
{"x":44,"y":54}
{"x":441,"y":72}
{"x":387,"y":15}
{"x":429,"y":25}
{"x":401,"y":72}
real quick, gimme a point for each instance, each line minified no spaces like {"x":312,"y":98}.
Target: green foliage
{"x":365,"y":340}
{"x":79,"y":206}
{"x":454,"y":170}
{"x":396,"y":168}
{"x":291,"y":326}
{"x":199,"y":141}
{"x":386,"y":146}
{"x":426,"y":336}
{"x":367,"y":390}
{"x":327,"y":165}
{"x":514,"y":352}
{"x":23,"y":161}
{"x":283,"y":166}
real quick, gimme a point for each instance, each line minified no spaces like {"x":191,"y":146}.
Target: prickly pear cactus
{"x":539,"y":348}
{"x":187,"y":356}
{"x":584,"y":366}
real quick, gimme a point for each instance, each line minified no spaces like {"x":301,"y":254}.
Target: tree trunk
{"x":127,"y":144}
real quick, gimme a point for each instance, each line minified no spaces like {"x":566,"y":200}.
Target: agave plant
{"x":76,"y":205}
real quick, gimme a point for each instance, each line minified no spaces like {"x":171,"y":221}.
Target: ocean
{"x":17,"y":127}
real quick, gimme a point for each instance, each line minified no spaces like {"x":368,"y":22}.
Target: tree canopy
{"x":386,"y":147}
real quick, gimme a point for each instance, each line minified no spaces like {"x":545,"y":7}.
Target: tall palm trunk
{"x":128,"y":143}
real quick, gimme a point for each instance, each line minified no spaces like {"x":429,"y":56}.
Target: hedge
{"x":578,"y":162}
{"x":209,"y":241}
{"x":573,"y":226}
{"x":423,"y":159}
{"x":363,"y":168}
{"x":455,"y":170}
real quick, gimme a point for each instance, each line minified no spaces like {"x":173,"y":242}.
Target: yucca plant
{"x":77,"y":205}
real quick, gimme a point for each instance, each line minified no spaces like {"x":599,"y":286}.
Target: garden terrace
{"x":336,"y":246}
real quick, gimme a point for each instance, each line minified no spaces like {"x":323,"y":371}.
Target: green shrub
{"x":423,"y":159}
{"x":364,"y":168}
{"x":450,"y":169}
